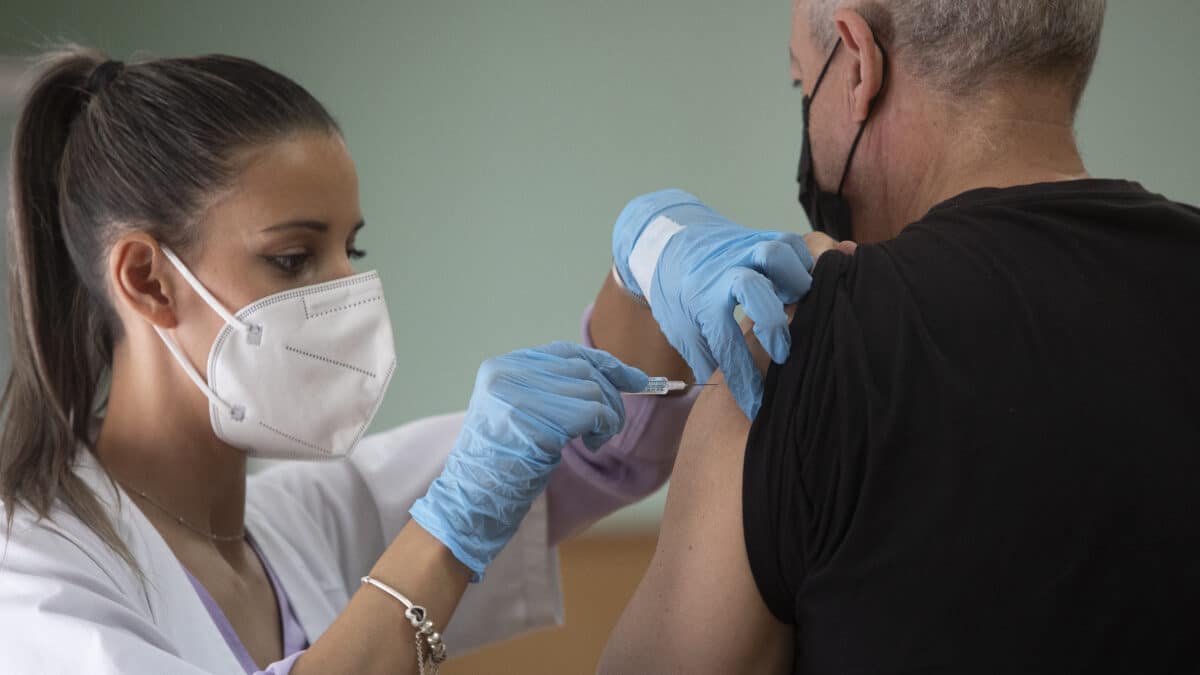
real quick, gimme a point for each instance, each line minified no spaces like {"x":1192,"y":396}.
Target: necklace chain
{"x":179,"y":518}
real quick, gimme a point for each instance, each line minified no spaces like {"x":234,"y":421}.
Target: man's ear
{"x":142,"y":280}
{"x":859,"y":39}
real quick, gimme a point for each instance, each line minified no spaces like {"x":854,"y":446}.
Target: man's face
{"x":806,"y":63}
{"x":831,"y":123}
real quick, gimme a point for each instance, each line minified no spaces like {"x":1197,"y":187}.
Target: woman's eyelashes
{"x":294,"y":263}
{"x":290,"y":263}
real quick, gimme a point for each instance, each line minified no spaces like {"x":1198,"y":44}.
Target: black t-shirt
{"x":983,"y":455}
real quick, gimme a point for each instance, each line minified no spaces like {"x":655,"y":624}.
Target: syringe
{"x":661,"y":386}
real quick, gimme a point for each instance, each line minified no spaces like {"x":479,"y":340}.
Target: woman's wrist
{"x":372,"y":635}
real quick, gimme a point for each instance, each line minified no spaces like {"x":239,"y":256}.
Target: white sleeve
{"x":62,"y":613}
{"x":335,"y":500}
{"x":362,"y":504}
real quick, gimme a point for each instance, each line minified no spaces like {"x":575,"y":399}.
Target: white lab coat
{"x":69,"y":605}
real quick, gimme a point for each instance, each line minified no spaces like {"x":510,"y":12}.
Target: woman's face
{"x":290,"y":220}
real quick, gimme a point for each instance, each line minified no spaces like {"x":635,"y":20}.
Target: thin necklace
{"x":193,"y":528}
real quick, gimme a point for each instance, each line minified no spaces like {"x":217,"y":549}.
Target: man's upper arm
{"x":698,"y":609}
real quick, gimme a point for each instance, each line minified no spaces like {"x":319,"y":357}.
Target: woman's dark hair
{"x":102,"y":149}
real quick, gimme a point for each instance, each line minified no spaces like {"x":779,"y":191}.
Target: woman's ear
{"x":859,"y":39}
{"x":141,"y":279}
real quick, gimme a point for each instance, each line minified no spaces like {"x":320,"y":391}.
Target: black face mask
{"x":829,"y":212}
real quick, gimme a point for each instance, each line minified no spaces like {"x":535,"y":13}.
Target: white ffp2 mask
{"x":297,"y":374}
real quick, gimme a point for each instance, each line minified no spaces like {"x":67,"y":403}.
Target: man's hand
{"x":694,"y":266}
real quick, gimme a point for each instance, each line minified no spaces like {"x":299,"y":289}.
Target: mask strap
{"x":825,"y":69}
{"x":209,"y":299}
{"x":870,"y":108}
{"x":236,"y":412}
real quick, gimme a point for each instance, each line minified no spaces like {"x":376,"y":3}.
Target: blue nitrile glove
{"x":693,"y":266}
{"x":527,"y":405}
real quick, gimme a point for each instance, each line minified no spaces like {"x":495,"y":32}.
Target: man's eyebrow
{"x":315,"y":225}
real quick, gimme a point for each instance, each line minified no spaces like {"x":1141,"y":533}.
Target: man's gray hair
{"x":962,"y":46}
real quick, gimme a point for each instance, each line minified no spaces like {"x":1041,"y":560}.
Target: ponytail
{"x":100,"y":150}
{"x":60,"y":346}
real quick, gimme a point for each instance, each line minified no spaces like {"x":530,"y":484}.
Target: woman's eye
{"x":355,"y":253}
{"x":288,"y":263}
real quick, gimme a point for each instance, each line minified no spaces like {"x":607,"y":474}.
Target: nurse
{"x":182,"y":299}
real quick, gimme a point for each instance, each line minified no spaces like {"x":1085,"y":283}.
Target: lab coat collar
{"x":170,"y":598}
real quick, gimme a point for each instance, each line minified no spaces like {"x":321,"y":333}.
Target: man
{"x":982,"y":454}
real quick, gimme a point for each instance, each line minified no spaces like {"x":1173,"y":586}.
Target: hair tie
{"x":102,"y":75}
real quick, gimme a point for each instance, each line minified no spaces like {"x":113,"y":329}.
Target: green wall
{"x":497,"y":141}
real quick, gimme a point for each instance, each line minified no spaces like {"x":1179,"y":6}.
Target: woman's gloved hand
{"x":526,"y":406}
{"x":693,"y":266}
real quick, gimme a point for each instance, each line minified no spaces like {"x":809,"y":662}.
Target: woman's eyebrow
{"x":305,"y":224}
{"x":315,"y":225}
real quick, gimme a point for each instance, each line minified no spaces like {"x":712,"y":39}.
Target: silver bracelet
{"x":431,"y":651}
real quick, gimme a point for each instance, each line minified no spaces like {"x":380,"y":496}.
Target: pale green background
{"x":497,"y":141}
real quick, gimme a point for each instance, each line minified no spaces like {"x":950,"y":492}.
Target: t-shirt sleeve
{"x":801,"y":475}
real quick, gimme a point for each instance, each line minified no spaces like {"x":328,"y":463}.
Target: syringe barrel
{"x":657,"y":386}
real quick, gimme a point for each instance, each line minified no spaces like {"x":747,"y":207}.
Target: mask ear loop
{"x":870,"y":108}
{"x":204,"y":293}
{"x":236,"y":412}
{"x":825,"y":69}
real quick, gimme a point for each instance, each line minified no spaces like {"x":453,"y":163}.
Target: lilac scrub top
{"x":294,"y":639}
{"x":586,"y":486}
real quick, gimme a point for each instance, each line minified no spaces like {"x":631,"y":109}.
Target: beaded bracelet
{"x":431,"y":651}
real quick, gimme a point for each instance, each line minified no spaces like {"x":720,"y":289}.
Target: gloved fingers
{"x":623,"y":377}
{"x":595,"y":421}
{"x":600,"y":367}
{"x":682,"y":330}
{"x":562,"y":350}
{"x":574,"y":360}
{"x":552,"y":371}
{"x":780,"y":263}
{"x":516,"y":365}
{"x":569,"y":376}
{"x":591,"y":384}
{"x":696,"y":352}
{"x":799,"y":244}
{"x":550,"y":411}
{"x":756,"y":295}
{"x":724,"y":337}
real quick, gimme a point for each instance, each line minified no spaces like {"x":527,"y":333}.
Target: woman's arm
{"x":526,"y":406}
{"x":371,"y":634}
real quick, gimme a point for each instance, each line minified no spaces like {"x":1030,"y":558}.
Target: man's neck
{"x":949,"y":158}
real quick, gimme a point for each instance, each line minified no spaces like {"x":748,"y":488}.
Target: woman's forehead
{"x":307,"y":176}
